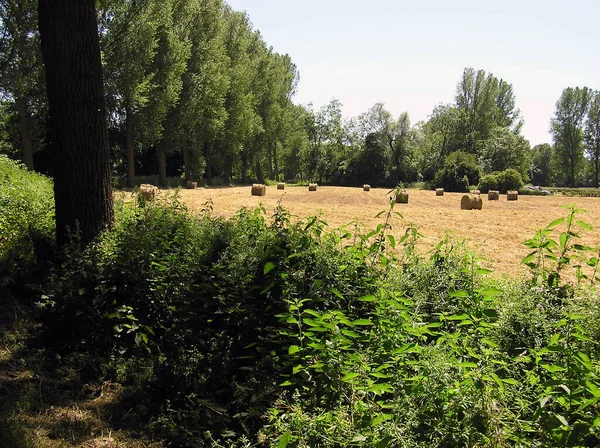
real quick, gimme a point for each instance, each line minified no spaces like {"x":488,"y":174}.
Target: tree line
{"x":192,"y":90}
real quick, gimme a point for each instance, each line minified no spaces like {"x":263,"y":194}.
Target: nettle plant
{"x":550,"y":256}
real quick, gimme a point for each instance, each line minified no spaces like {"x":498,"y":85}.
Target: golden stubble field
{"x":495,"y":233}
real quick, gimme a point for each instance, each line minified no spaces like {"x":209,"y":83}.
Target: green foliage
{"x":488,"y":182}
{"x":267,"y":332}
{"x":509,"y":179}
{"x":26,"y":222}
{"x":459,"y":171}
{"x":567,"y":130}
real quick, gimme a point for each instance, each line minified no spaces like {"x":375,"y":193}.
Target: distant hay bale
{"x":402,"y":197}
{"x":471,"y":202}
{"x":312,"y":187}
{"x":280,"y":185}
{"x":512,"y":195}
{"x":493,"y":195}
{"x":366,"y":187}
{"x":477,"y":192}
{"x":439,"y":192}
{"x":258,"y":190}
{"x":191,"y":185}
{"x":148,"y":191}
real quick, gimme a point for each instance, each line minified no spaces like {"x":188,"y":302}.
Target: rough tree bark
{"x":78,"y":132}
{"x":129,"y":145}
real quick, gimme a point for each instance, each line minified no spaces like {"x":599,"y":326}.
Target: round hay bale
{"x":366,"y":187}
{"x":280,"y":185}
{"x":191,"y":185}
{"x":477,"y":192}
{"x":148,"y":191}
{"x":439,"y":192}
{"x":512,"y":195}
{"x":312,"y":187}
{"x":402,"y":197}
{"x":493,"y":195}
{"x":471,"y":202}
{"x":258,"y":190}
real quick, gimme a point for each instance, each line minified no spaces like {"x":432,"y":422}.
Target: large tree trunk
{"x":162,"y":164}
{"x":78,"y":132}
{"x":208,"y":168}
{"x":244,"y":167}
{"x":24,"y":123}
{"x":129,"y":147}
{"x":276,"y":173}
{"x":186,"y":163}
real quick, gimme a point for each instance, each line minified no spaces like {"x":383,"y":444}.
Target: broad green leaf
{"x":269,"y":266}
{"x":552,"y":368}
{"x":459,"y":294}
{"x":350,"y":376}
{"x":380,"y":388}
{"x":350,"y":334}
{"x":284,"y":440}
{"x":362,"y":322}
{"x":562,"y":419}
{"x":337,"y":293}
{"x":293,"y":349}
{"x":555,"y":223}
{"x":468,"y":365}
{"x":392,"y":241}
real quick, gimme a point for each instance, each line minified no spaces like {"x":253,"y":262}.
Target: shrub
{"x":509,"y":179}
{"x":459,"y":171}
{"x":488,"y":182}
{"x":26,"y":222}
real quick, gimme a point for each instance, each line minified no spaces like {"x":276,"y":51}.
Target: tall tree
{"x":505,"y":149}
{"x":129,"y":46}
{"x":21,"y":74}
{"x":484,"y":102}
{"x":541,"y":164}
{"x":567,"y":129}
{"x":78,"y":133}
{"x":592,"y":134}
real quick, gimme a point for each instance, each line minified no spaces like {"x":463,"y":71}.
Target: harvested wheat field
{"x":496,"y":232}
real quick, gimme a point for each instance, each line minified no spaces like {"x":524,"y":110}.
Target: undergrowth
{"x":266,"y":331}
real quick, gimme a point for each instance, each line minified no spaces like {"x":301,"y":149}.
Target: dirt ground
{"x":496,"y":232}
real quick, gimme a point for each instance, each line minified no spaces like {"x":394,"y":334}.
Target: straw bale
{"x":312,"y":187}
{"x":191,"y":185}
{"x":471,"y":202}
{"x":512,"y":195}
{"x":280,"y":185}
{"x":258,"y":190}
{"x":366,"y":187}
{"x":402,"y":197}
{"x":148,"y":191}
{"x":439,"y":192}
{"x":493,"y":195}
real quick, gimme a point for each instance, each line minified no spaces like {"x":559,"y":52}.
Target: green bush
{"x":264,"y":332}
{"x":26,"y":222}
{"x":489,"y":182}
{"x":459,"y":171}
{"x":509,"y":179}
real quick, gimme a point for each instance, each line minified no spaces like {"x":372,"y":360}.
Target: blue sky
{"x":410,"y":55}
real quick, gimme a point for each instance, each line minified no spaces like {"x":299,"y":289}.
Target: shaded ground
{"x":45,"y":404}
{"x":496,"y":232}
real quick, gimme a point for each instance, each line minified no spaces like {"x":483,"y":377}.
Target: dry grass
{"x":496,"y":233}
